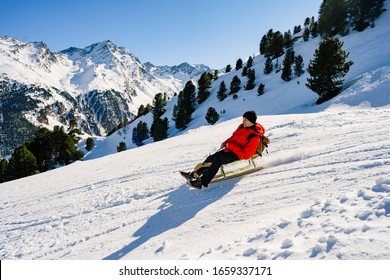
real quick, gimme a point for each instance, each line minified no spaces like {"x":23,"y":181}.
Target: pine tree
{"x":260,"y":89}
{"x":189,"y":96}
{"x":269,"y":66}
{"x":159,"y":103}
{"x":276,"y":47}
{"x":90,"y":143}
{"x":249,"y":63}
{"x":297,"y":29}
{"x":287,"y":65}
{"x":58,"y":137}
{"x":264,"y":45}
{"x":53,"y":147}
{"x":212,"y":116}
{"x":141,"y":111}
{"x":42,"y":148}
{"x":122,"y":147}
{"x":221,"y":94}
{"x":68,"y":152}
{"x":328,"y":69}
{"x":235,"y":85}
{"x":307,"y":23}
{"x":204,"y":83}
{"x":74,"y":131}
{"x":3,"y":170}
{"x":312,"y":22}
{"x":364,"y":12}
{"x":148,"y":108}
{"x":314,"y":30}
{"x":251,"y":79}
{"x":287,"y":39}
{"x":215,"y":76}
{"x":22,"y":164}
{"x":238,"y":64}
{"x":306,"y":35}
{"x":140,"y":133}
{"x":185,"y":106}
{"x":181,"y":117}
{"x":244,"y":71}
{"x":298,"y":67}
{"x":159,"y":129}
{"x":228,"y":68}
{"x":375,"y":10}
{"x":332,"y":18}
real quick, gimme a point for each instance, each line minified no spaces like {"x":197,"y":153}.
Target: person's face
{"x":246,"y":123}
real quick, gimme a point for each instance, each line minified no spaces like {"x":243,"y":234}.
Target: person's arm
{"x":227,"y":141}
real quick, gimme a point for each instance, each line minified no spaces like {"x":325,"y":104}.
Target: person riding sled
{"x":241,"y":145}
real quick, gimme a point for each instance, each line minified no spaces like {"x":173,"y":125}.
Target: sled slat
{"x":234,"y":174}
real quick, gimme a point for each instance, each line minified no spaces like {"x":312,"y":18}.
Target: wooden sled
{"x":228,"y":173}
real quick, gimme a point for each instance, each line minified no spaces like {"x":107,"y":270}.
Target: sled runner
{"x":245,"y":170}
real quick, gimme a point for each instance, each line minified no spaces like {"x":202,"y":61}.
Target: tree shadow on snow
{"x":179,"y":206}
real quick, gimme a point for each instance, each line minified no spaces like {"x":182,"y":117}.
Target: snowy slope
{"x":324,"y":192}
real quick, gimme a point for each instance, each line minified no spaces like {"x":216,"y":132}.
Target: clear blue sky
{"x":163,"y":32}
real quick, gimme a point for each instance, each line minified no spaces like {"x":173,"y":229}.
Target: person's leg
{"x":199,"y":169}
{"x":219,"y":158}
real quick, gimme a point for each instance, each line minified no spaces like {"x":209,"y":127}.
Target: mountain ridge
{"x":98,"y":86}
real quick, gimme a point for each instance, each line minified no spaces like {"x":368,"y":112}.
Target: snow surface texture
{"x":324,"y":192}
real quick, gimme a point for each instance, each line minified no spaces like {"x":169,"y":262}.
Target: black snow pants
{"x":216,"y":160}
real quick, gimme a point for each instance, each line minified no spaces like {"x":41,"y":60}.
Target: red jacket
{"x":238,"y":141}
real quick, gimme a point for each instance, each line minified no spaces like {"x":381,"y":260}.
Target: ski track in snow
{"x":324,"y":193}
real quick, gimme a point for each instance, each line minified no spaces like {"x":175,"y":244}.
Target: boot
{"x":187,"y":175}
{"x":196,"y":183}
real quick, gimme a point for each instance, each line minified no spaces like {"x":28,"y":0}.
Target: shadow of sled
{"x":179,"y":206}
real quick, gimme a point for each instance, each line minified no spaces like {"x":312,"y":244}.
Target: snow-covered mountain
{"x":180,"y":72}
{"x":99,"y":86}
{"x":324,"y":192}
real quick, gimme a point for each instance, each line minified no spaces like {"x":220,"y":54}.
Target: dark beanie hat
{"x":250,"y":116}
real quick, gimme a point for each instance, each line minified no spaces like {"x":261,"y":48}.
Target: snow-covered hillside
{"x":367,"y":81}
{"x":324,"y":192}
